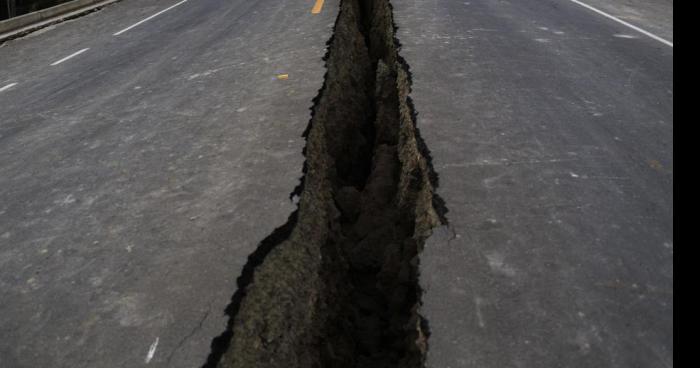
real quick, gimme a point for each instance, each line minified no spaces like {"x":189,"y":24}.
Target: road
{"x":553,"y":138}
{"x":138,"y":174}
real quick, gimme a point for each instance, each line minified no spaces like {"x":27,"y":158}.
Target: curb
{"x":41,"y":18}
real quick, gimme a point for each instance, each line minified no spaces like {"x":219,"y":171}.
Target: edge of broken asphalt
{"x":318,"y":184}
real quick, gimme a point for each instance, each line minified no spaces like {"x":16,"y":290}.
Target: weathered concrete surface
{"x":553,"y":139}
{"x":136,"y":178}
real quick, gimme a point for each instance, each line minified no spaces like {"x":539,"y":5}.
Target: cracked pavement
{"x":138,"y":175}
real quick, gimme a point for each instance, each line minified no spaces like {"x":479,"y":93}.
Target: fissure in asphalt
{"x":337,"y":285}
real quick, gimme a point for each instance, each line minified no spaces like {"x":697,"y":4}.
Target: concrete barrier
{"x":45,"y":15}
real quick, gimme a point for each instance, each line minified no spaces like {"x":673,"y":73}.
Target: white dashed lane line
{"x":69,"y":56}
{"x":5,"y":88}
{"x":149,"y":18}
{"x":2,"y":89}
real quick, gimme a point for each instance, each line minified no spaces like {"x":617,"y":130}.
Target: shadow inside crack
{"x":220,"y":344}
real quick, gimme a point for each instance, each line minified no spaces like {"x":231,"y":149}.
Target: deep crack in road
{"x":337,"y":286}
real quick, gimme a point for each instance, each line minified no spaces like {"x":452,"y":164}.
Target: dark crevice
{"x":221,"y":343}
{"x":337,"y":286}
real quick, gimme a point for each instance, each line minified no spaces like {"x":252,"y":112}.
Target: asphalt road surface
{"x":137,"y":177}
{"x":139,"y":171}
{"x":551,"y":127}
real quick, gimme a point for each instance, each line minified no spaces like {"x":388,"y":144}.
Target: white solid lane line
{"x":69,"y":56}
{"x":149,"y":18}
{"x":7,"y":87}
{"x":665,"y":42}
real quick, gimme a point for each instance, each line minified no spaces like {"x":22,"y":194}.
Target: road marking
{"x":69,"y":56}
{"x":149,"y":18}
{"x":665,"y":42}
{"x":7,"y":87}
{"x":317,"y":7}
{"x":620,"y":35}
{"x":152,"y":351}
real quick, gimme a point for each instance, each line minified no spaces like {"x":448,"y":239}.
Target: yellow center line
{"x":317,"y":7}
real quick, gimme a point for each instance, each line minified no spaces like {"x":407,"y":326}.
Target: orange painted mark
{"x":317,"y":7}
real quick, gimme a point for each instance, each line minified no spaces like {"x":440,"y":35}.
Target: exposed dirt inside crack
{"x":337,"y":286}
